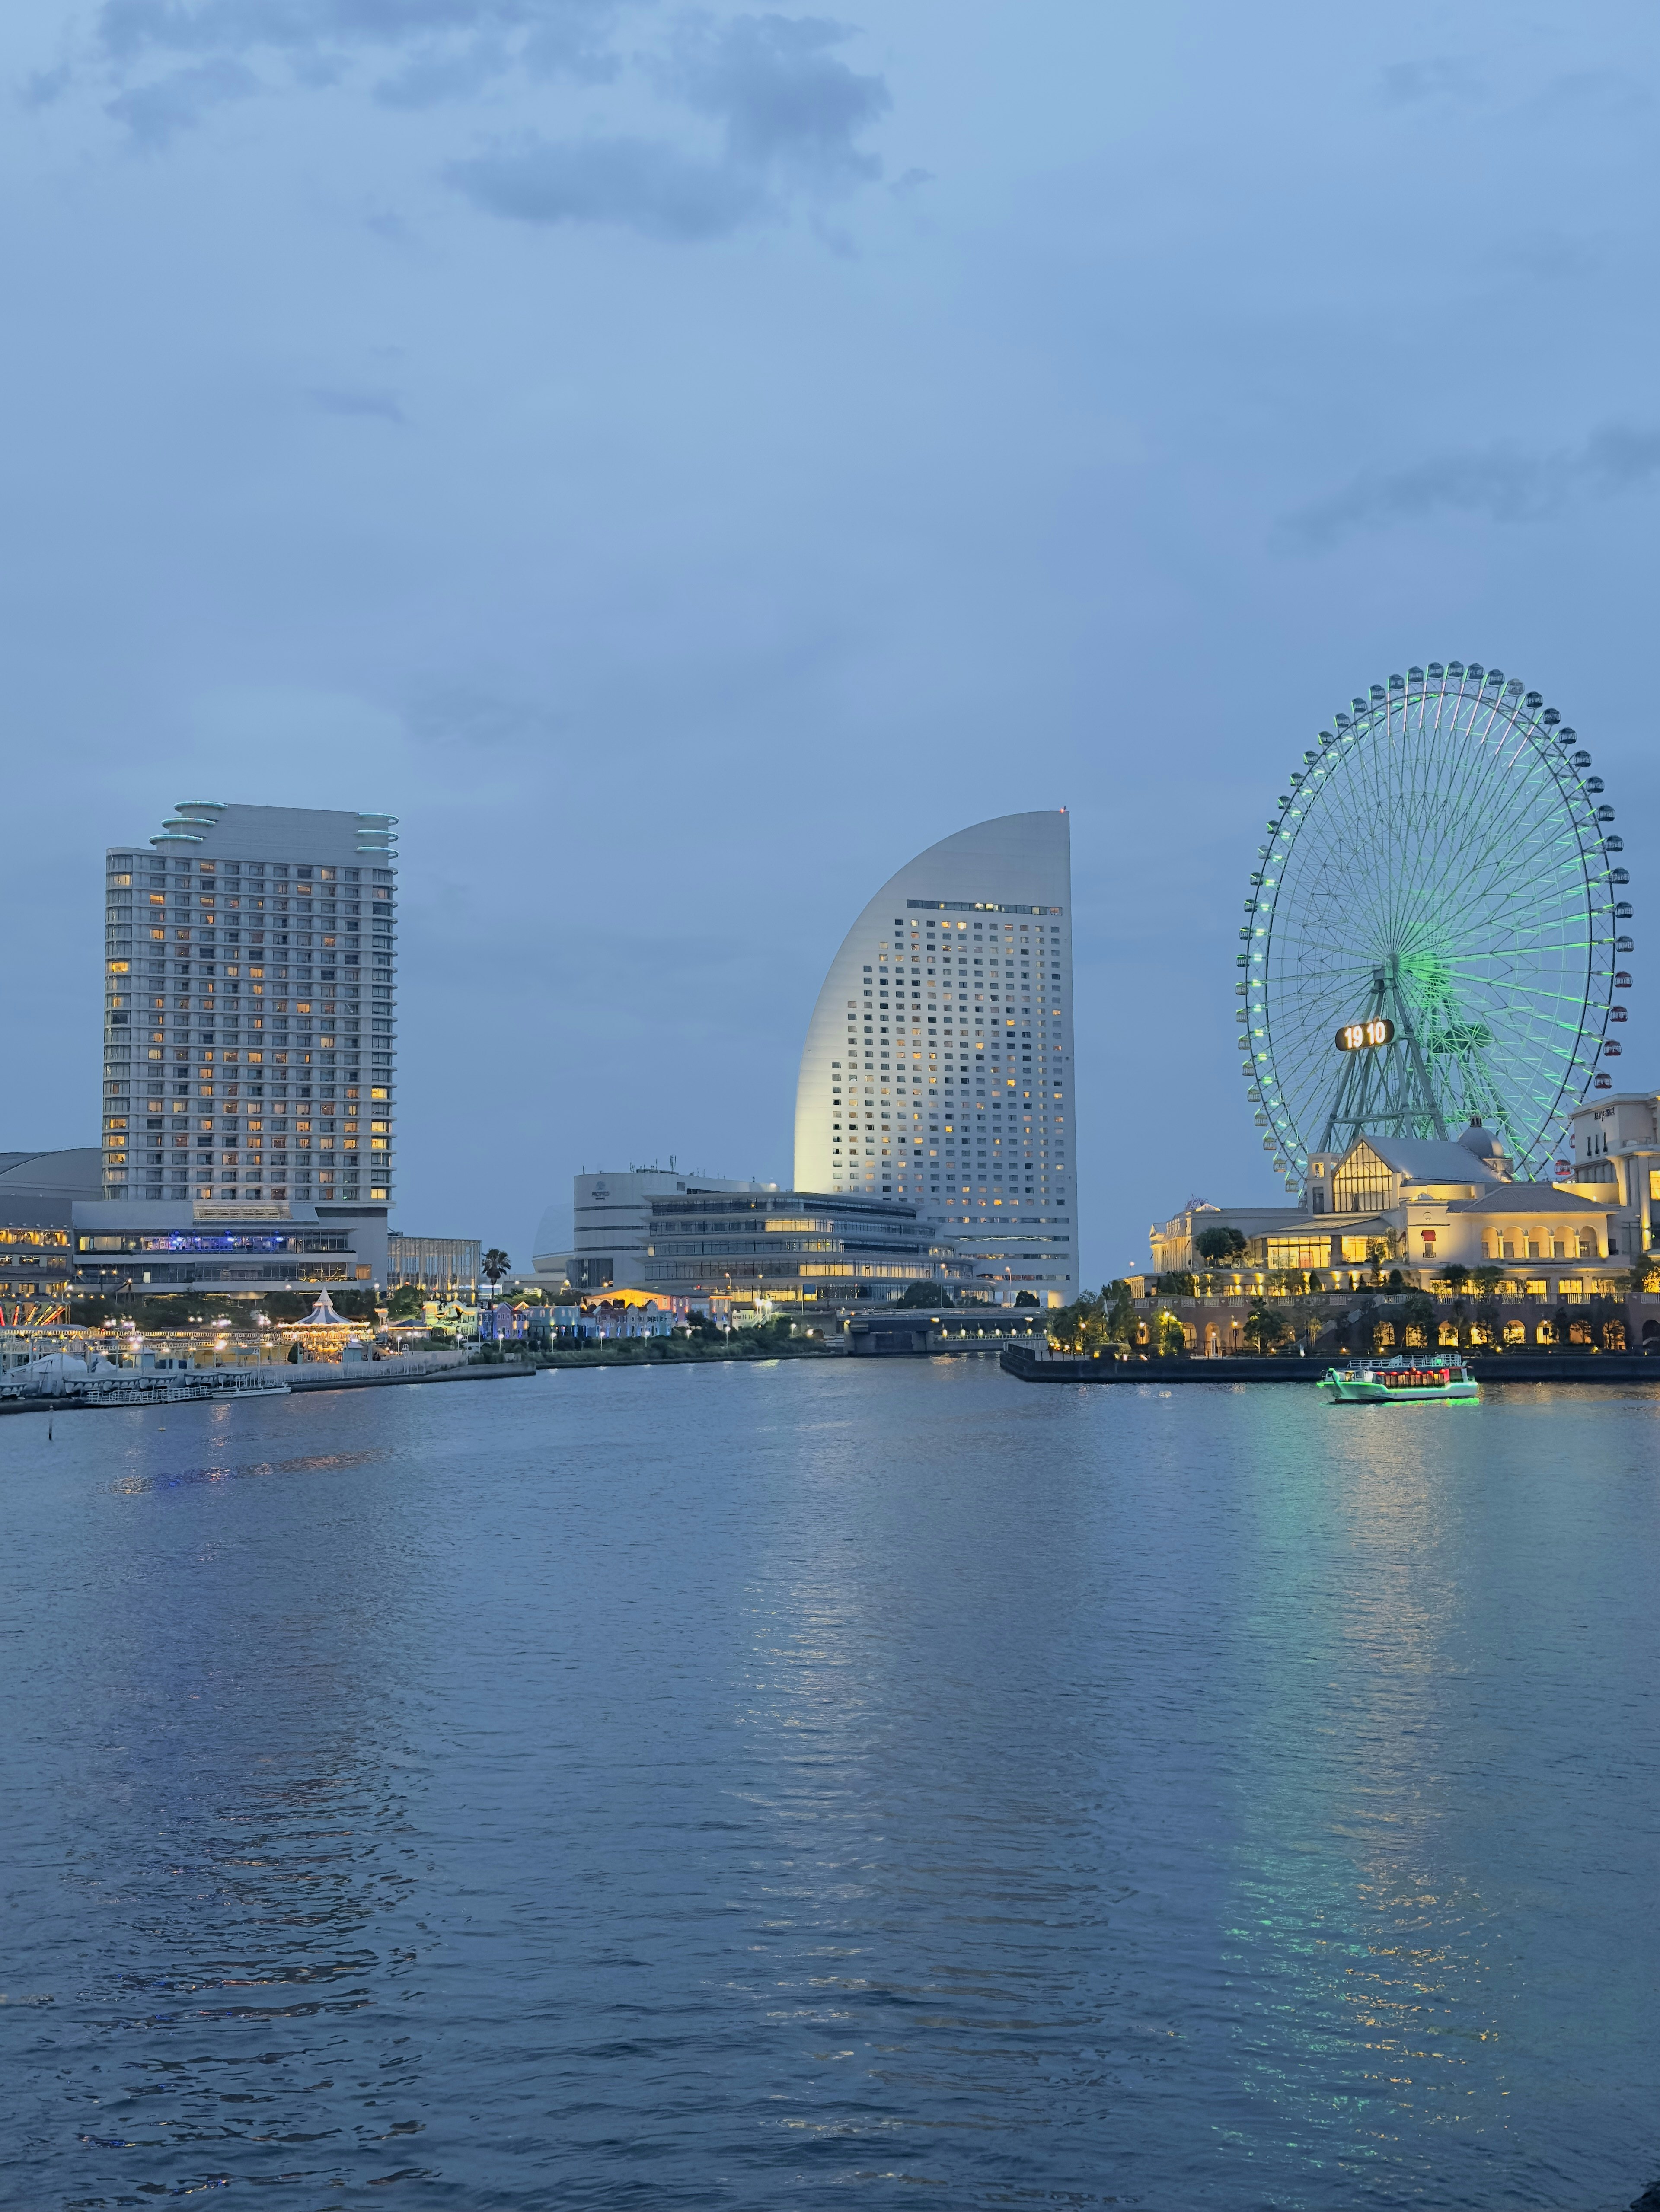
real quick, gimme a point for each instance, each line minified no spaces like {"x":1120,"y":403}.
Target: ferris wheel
{"x":1435,"y":928}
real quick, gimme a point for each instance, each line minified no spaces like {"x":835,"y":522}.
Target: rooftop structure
{"x":611,"y":1217}
{"x":938,"y":1066}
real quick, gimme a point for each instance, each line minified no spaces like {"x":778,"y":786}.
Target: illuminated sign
{"x":1361,"y":1037}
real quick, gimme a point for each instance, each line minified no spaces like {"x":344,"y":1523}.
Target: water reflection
{"x":744,"y":1787}
{"x":229,"y":1817}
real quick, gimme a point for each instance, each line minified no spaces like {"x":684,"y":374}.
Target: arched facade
{"x":938,"y":1065}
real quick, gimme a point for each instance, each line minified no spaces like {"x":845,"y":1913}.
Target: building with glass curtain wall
{"x":937,"y":1068}
{"x":249,"y":1007}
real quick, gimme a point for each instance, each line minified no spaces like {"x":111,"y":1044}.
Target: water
{"x":799,"y":1785}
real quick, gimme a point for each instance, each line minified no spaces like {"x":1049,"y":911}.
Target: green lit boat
{"x":1387,"y":1382}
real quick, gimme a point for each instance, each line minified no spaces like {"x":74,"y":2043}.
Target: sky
{"x":684,"y":461}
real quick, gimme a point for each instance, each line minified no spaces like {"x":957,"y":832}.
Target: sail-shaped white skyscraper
{"x":937,"y":1067}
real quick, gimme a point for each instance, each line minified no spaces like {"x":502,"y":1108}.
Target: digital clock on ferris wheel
{"x":1361,"y":1037}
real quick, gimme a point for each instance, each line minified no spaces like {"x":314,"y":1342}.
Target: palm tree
{"x":494,"y":1265}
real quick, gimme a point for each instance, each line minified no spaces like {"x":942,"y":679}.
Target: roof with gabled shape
{"x":1531,"y":1199}
{"x":1424,"y":1159}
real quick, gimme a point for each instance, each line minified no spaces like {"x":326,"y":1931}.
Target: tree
{"x":494,"y":1265}
{"x":1455,"y":1276}
{"x":1179,"y":1284}
{"x":294,"y":1354}
{"x":1120,"y":1311}
{"x":1223,"y":1247}
{"x":1172,"y":1337}
{"x":1025,"y":1297}
{"x":1418,"y":1314}
{"x":924,"y":1294}
{"x":1266,"y":1328}
{"x":1377,"y":1252}
{"x":406,"y":1303}
{"x":1487,"y":1282}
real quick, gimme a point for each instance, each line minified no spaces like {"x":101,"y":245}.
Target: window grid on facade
{"x":939,"y":1063}
{"x":249,"y":1008}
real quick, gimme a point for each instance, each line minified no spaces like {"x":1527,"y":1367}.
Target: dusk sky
{"x":682,"y":462}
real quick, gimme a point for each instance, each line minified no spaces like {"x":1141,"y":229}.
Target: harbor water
{"x":871,"y":1782}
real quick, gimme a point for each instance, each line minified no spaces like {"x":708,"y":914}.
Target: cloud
{"x":441,"y":49}
{"x":333,"y":400}
{"x":786,"y":102}
{"x":1503,"y":482}
{"x":792,"y":114}
{"x":129,"y":28}
{"x":634,"y":181}
{"x":1407,"y":83}
{"x":157,"y":112}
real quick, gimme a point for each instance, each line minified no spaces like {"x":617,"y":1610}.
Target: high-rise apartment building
{"x":249,"y":1008}
{"x":937,"y":1067}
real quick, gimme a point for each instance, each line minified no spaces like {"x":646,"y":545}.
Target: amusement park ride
{"x":1435,"y":927}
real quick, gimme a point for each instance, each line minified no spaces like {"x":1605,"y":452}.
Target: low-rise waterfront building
{"x":611,"y":1227}
{"x":149,"y":1248}
{"x":37,"y":1191}
{"x":686,"y":1239}
{"x":1391,"y":1218}
{"x":795,"y":1248}
{"x":1420,"y":1204}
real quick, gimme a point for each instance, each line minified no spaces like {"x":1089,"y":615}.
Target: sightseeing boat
{"x":1385,"y":1382}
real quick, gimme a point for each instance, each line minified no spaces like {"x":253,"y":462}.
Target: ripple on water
{"x":740,"y":1787}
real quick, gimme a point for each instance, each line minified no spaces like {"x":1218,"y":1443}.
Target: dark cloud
{"x":336,"y":400}
{"x":792,"y":114}
{"x":785,"y":99}
{"x":157,"y":112}
{"x":633,"y":181}
{"x":1503,"y":484}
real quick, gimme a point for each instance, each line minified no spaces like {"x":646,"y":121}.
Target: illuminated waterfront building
{"x":249,"y":1010}
{"x":938,"y":1069}
{"x":1417,"y":1203}
{"x":443,"y":1267}
{"x":690,"y":1238}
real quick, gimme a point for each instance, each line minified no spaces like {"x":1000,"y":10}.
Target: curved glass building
{"x":937,"y":1067}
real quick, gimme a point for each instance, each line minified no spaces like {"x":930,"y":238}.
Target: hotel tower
{"x":939,"y":1062}
{"x":248,"y":1007}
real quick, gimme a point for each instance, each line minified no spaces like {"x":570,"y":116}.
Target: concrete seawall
{"x":1603,"y":1367}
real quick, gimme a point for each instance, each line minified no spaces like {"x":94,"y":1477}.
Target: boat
{"x":91,"y":1380}
{"x":1387,"y":1382}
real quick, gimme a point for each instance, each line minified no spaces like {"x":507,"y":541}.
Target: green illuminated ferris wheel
{"x":1435,"y":929}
